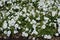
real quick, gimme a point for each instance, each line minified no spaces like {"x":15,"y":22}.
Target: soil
{"x":19,"y":37}
{"x":24,"y":38}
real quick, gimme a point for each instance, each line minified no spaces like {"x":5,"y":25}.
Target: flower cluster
{"x":30,"y":17}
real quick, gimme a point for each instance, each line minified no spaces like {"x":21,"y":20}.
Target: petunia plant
{"x":38,"y":18}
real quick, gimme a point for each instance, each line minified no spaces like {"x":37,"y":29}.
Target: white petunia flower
{"x":59,"y":30}
{"x":8,"y":33}
{"x":8,"y":27}
{"x":24,"y":34}
{"x":44,"y":22}
{"x":24,"y":9}
{"x":59,"y":25}
{"x":26,"y":18}
{"x":58,"y":6}
{"x":24,"y":15}
{"x":15,"y":31}
{"x":43,"y":27}
{"x":20,"y":13}
{"x":11,"y":22}
{"x":46,"y":18}
{"x":41,"y":3}
{"x":54,"y":13}
{"x":57,"y":34}
{"x":19,"y":22}
{"x":35,"y":32}
{"x":34,"y":26}
{"x":47,"y":36}
{"x":33,"y":0}
{"x":27,"y":14}
{"x":33,"y":22}
{"x":16,"y":18}
{"x":19,"y":28}
{"x":15,"y":6}
{"x":5,"y":32}
{"x":4,"y":0}
{"x":1,"y":29}
{"x":9,"y":1}
{"x":32,"y":12}
{"x":33,"y":38}
{"x":16,"y":26}
{"x":38,"y":18}
{"x":59,"y":13}
{"x":27,"y":29}
{"x":58,"y":20}
{"x":7,"y":13}
{"x":4,"y":25}
{"x":1,"y":3}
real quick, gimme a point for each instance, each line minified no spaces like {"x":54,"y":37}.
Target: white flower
{"x":8,"y":33}
{"x":59,"y":30}
{"x":58,"y":20}
{"x":8,"y":27}
{"x":43,"y":27}
{"x":38,"y":18}
{"x":32,"y":12}
{"x":45,"y":9}
{"x":33,"y":38}
{"x":15,"y":31}
{"x":7,"y":13}
{"x":9,"y":17}
{"x":1,"y":3}
{"x":26,"y":18}
{"x":57,"y":34}
{"x":15,"y":6}
{"x":27,"y":14}
{"x":24,"y":9}
{"x":4,"y":24}
{"x":41,"y":3}
{"x":33,"y":0}
{"x":38,"y":11}
{"x":24,"y":34}
{"x":30,"y":4}
{"x":27,"y":29}
{"x":11,"y":22}
{"x":24,"y":15}
{"x":20,"y":13}
{"x":59,"y":25}
{"x":1,"y":29}
{"x":19,"y":22}
{"x":16,"y":26}
{"x":47,"y":36}
{"x":9,"y":1}
{"x":35,"y":32}
{"x":34,"y":26}
{"x":54,"y":13}
{"x":4,"y":0}
{"x":19,"y":28}
{"x":44,"y":22}
{"x":46,"y":18}
{"x":29,"y":20}
{"x":59,"y":13}
{"x":16,"y":17}
{"x":33,"y":22}
{"x":58,"y":6}
{"x":5,"y":32}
